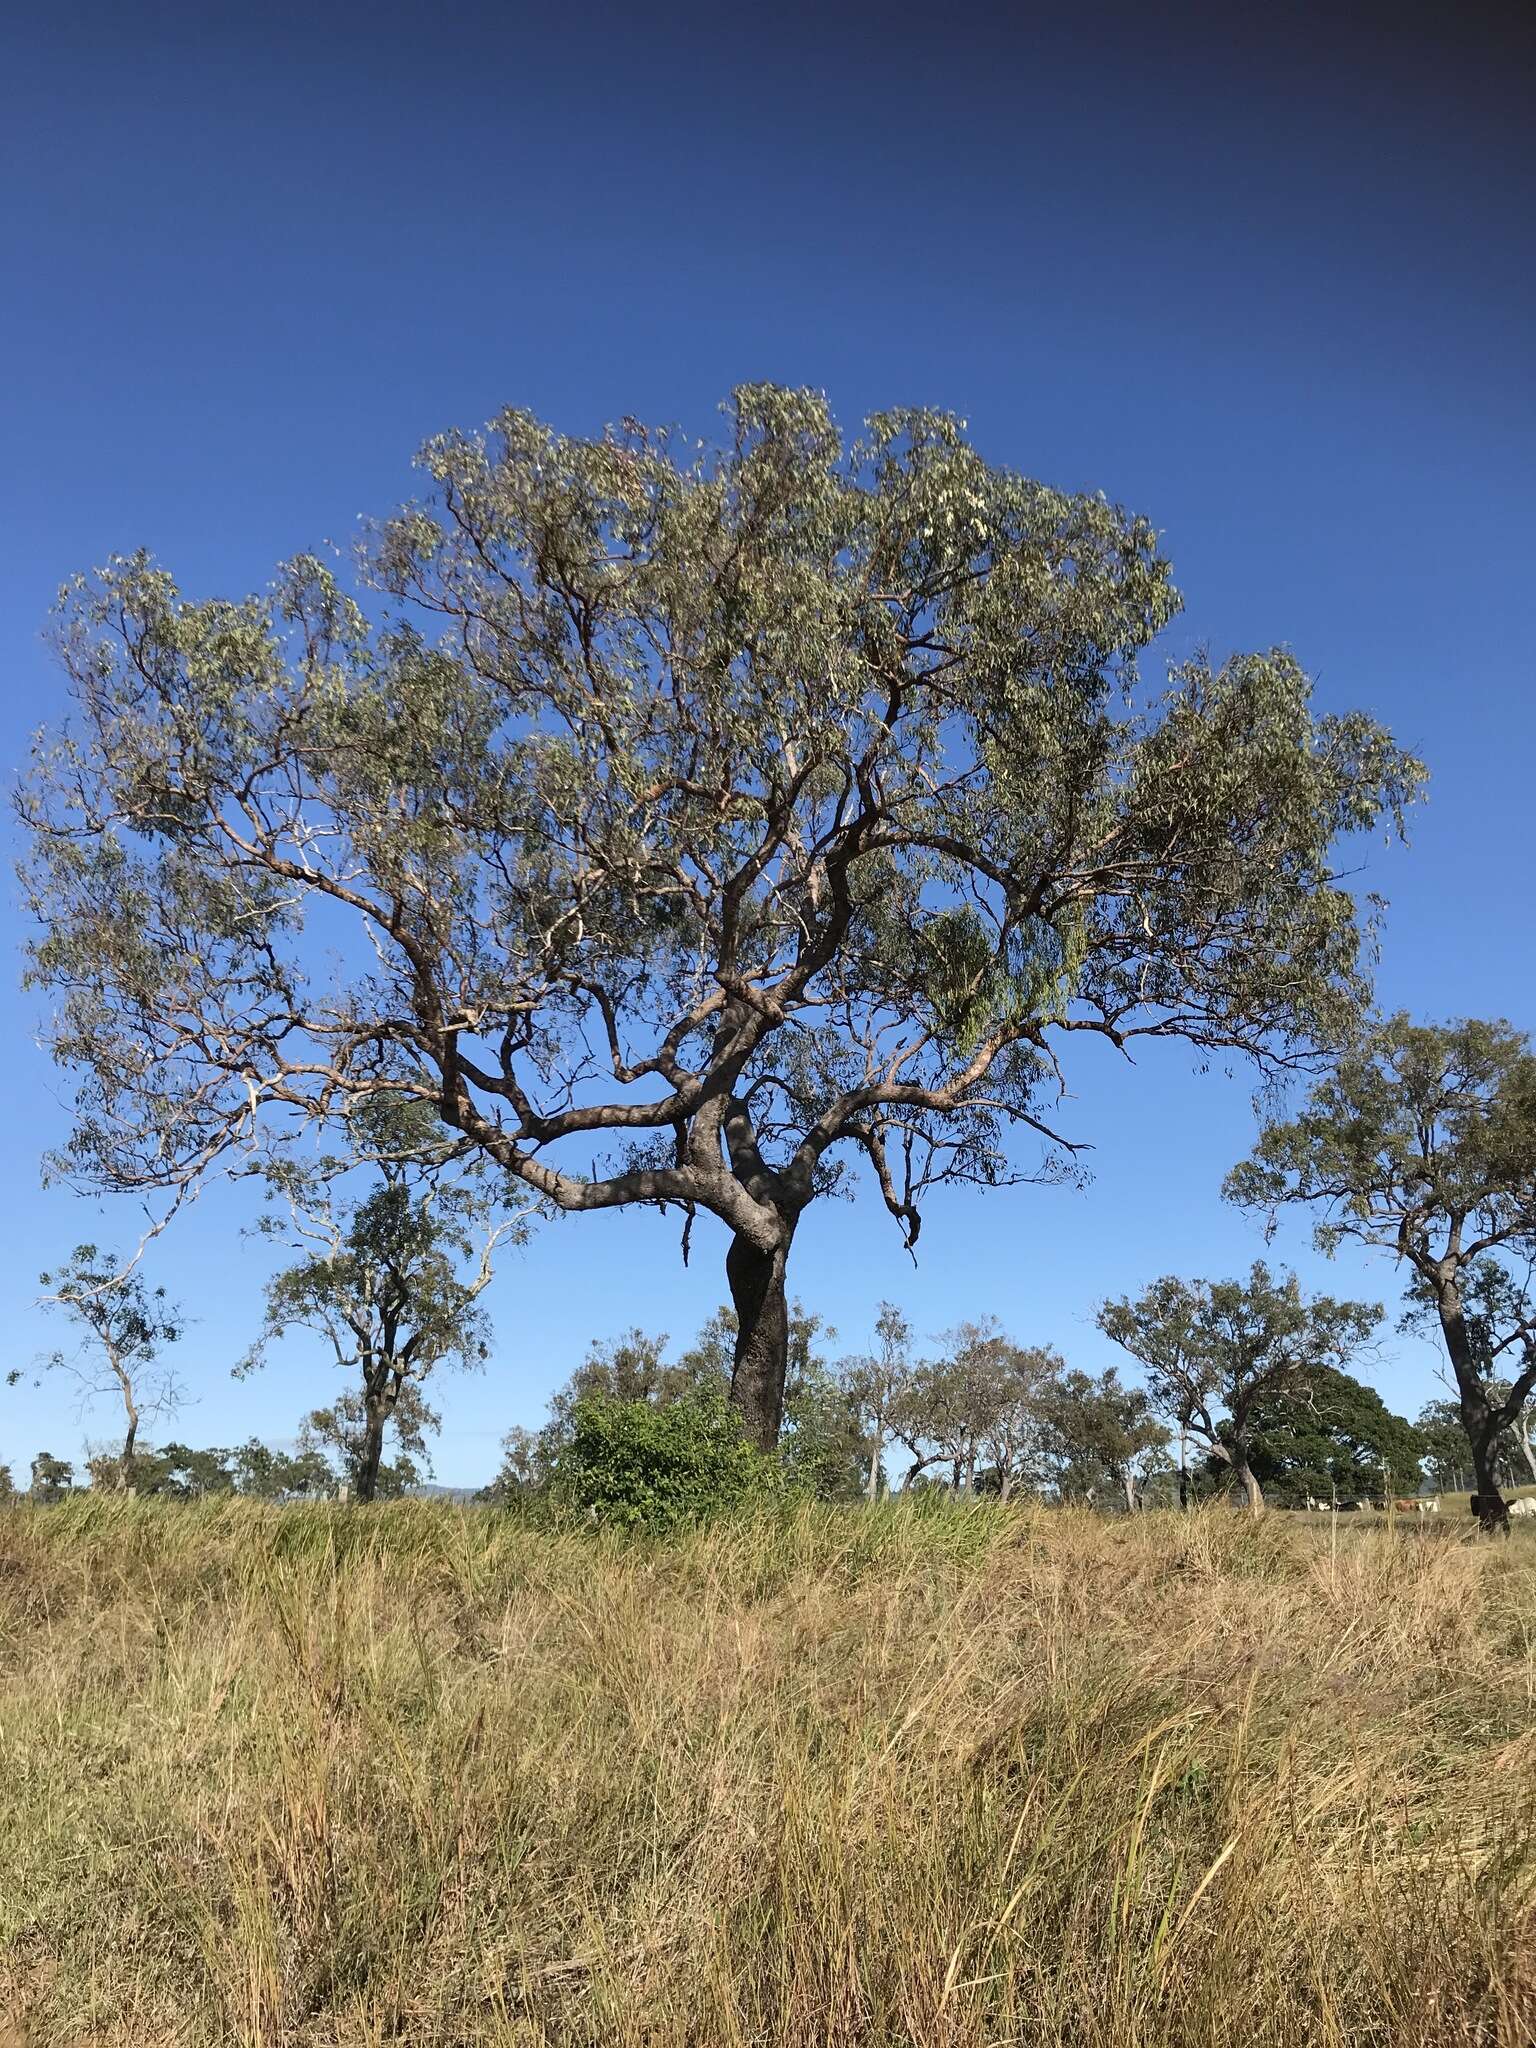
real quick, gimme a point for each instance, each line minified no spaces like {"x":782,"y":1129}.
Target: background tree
{"x":749,"y":811}
{"x":1161,"y":1331}
{"x":267,"y":1474}
{"x":182,"y":1473}
{"x":1496,"y":1299}
{"x":348,"y":1436}
{"x":1422,"y":1143}
{"x":875,"y":1382}
{"x":1217,"y":1353}
{"x":7,"y":1484}
{"x":1098,"y":1430}
{"x":51,"y":1477}
{"x":1447,"y":1451}
{"x":1017,"y":1380}
{"x":635,"y":1367}
{"x":1334,"y":1437}
{"x":524,"y":1469}
{"x":125,"y":1326}
{"x":823,"y":1450}
{"x":1444,"y":1450}
{"x":392,"y":1279}
{"x":952,"y":1401}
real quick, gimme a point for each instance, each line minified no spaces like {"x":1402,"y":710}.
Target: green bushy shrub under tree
{"x":656,"y":1466}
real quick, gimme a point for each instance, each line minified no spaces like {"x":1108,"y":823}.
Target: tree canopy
{"x":1333,"y":1436}
{"x":743,"y":811}
{"x":875,"y":1383}
{"x":1093,"y":1430}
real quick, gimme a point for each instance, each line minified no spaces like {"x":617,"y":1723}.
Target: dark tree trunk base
{"x":367,"y":1478}
{"x":756,"y":1281}
{"x":1491,"y":1509}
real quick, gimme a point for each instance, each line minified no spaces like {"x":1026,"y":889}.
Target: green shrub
{"x":658,"y":1464}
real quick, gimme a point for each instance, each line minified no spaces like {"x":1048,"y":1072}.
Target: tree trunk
{"x":373,"y":1450}
{"x":1477,"y":1416}
{"x":1004,"y":1484}
{"x":1483,"y":1430}
{"x":125,"y":1463}
{"x":1131,"y":1501}
{"x":872,"y":1484}
{"x":1243,"y":1474}
{"x":756,"y":1281}
{"x":1524,"y":1431}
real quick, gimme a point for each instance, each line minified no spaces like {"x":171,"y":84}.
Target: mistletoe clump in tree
{"x":695,"y":823}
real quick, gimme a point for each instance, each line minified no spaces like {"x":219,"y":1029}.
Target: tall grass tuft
{"x":434,"y":1775}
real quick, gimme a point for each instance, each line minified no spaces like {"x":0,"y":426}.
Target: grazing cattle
{"x":1426,"y":1504}
{"x":1526,"y":1506}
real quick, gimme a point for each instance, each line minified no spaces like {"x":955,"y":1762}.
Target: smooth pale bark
{"x":1250,"y":1485}
{"x":1236,"y":1461}
{"x":131,"y":1436}
{"x":1525,"y":1440}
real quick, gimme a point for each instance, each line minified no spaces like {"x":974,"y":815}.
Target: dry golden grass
{"x":424,"y":1775}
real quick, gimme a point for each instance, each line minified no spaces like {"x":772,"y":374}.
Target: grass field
{"x":429,"y":1775}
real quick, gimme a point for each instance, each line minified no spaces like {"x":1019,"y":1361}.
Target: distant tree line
{"x":1243,"y":1384}
{"x":1257,"y":1391}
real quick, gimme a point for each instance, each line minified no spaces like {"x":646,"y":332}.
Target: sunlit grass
{"x":426,"y":1774}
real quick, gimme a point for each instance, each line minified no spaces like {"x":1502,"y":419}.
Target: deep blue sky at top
{"x":1270,"y":283}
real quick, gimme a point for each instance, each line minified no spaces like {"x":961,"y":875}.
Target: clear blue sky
{"x":1272,"y":285}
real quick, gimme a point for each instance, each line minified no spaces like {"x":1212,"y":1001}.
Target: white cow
{"x":1524,"y":1506}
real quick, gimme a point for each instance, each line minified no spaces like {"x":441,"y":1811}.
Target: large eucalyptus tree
{"x":682,"y":824}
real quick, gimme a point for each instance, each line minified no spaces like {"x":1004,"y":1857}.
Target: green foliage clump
{"x":644,"y":1465}
{"x":1335,"y":1435}
{"x":823,"y":1451}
